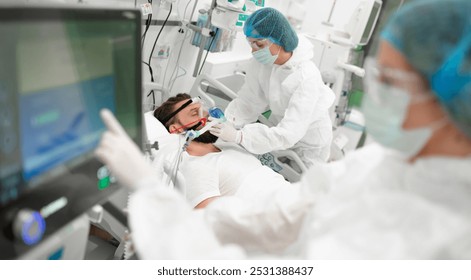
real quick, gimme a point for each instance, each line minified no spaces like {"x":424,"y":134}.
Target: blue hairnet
{"x":271,"y":24}
{"x":435,"y":38}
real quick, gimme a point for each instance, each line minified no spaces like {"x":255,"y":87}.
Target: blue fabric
{"x":269,"y":23}
{"x":435,"y":37}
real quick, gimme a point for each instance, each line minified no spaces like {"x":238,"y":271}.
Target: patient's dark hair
{"x":168,"y":107}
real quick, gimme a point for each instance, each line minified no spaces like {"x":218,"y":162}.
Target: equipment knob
{"x":29,"y":226}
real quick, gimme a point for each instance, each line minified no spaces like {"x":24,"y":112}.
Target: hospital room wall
{"x":318,"y":11}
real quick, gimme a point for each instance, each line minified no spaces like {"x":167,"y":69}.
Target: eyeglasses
{"x":259,"y":44}
{"x":409,"y":81}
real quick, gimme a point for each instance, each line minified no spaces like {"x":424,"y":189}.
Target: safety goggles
{"x":258,"y":44}
{"x":385,"y":77}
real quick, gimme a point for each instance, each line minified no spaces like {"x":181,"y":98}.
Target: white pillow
{"x":156,"y":131}
{"x":169,"y":145}
{"x":154,"y":128}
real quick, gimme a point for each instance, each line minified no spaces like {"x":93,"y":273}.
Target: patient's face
{"x":188,"y":117}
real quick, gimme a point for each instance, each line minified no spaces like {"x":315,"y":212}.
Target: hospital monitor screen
{"x":59,"y":67}
{"x":363,"y":21}
{"x":370,"y":23}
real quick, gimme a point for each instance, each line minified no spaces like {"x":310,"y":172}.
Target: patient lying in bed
{"x":212,"y":169}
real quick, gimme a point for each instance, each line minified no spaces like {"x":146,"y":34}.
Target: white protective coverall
{"x":370,"y":205}
{"x":299,"y":102}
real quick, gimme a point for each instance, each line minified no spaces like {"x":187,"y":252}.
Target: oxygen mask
{"x":216,"y":115}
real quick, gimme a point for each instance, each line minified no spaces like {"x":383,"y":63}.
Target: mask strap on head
{"x":447,"y":81}
{"x":183,"y":106}
{"x":201,"y":121}
{"x":436,"y":125}
{"x":279,"y":50}
{"x":273,"y":41}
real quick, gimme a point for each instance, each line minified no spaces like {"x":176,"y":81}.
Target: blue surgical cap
{"x":435,"y":38}
{"x":268,"y":23}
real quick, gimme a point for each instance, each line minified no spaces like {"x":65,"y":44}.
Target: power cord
{"x":152,"y":52}
{"x":148,"y":21}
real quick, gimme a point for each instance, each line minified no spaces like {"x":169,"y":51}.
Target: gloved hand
{"x":227,"y":132}
{"x":120,"y":154}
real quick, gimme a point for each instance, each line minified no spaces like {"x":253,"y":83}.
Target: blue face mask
{"x":384,"y":113}
{"x":264,"y":56}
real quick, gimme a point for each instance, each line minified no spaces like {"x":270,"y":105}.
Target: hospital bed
{"x":215,"y":93}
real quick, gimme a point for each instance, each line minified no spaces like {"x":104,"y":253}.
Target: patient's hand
{"x":120,"y":153}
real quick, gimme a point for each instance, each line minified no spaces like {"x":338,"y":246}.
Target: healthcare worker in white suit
{"x":283,"y":78}
{"x":408,"y":198}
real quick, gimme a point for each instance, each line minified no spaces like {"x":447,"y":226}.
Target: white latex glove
{"x":227,"y":132}
{"x":121,"y":155}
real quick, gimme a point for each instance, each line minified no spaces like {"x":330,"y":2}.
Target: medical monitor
{"x":363,"y":21}
{"x":59,"y":67}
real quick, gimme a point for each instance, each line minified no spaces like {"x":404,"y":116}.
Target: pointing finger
{"x":111,"y":122}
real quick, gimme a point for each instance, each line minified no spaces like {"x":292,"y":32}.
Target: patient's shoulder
{"x":197,"y":149}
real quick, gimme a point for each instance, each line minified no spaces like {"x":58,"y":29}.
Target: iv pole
{"x":204,"y":36}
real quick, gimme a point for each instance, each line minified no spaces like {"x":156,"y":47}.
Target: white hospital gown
{"x":222,"y":173}
{"x":371,"y":205}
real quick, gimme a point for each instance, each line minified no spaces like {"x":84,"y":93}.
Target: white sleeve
{"x":259,"y":139}
{"x":270,"y":222}
{"x":250,"y":102}
{"x":164,"y":226}
{"x":386,"y":224}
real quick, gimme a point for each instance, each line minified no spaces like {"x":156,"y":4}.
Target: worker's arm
{"x":251,"y":101}
{"x":307,"y":104}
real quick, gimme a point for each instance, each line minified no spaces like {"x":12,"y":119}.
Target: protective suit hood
{"x":304,"y":52}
